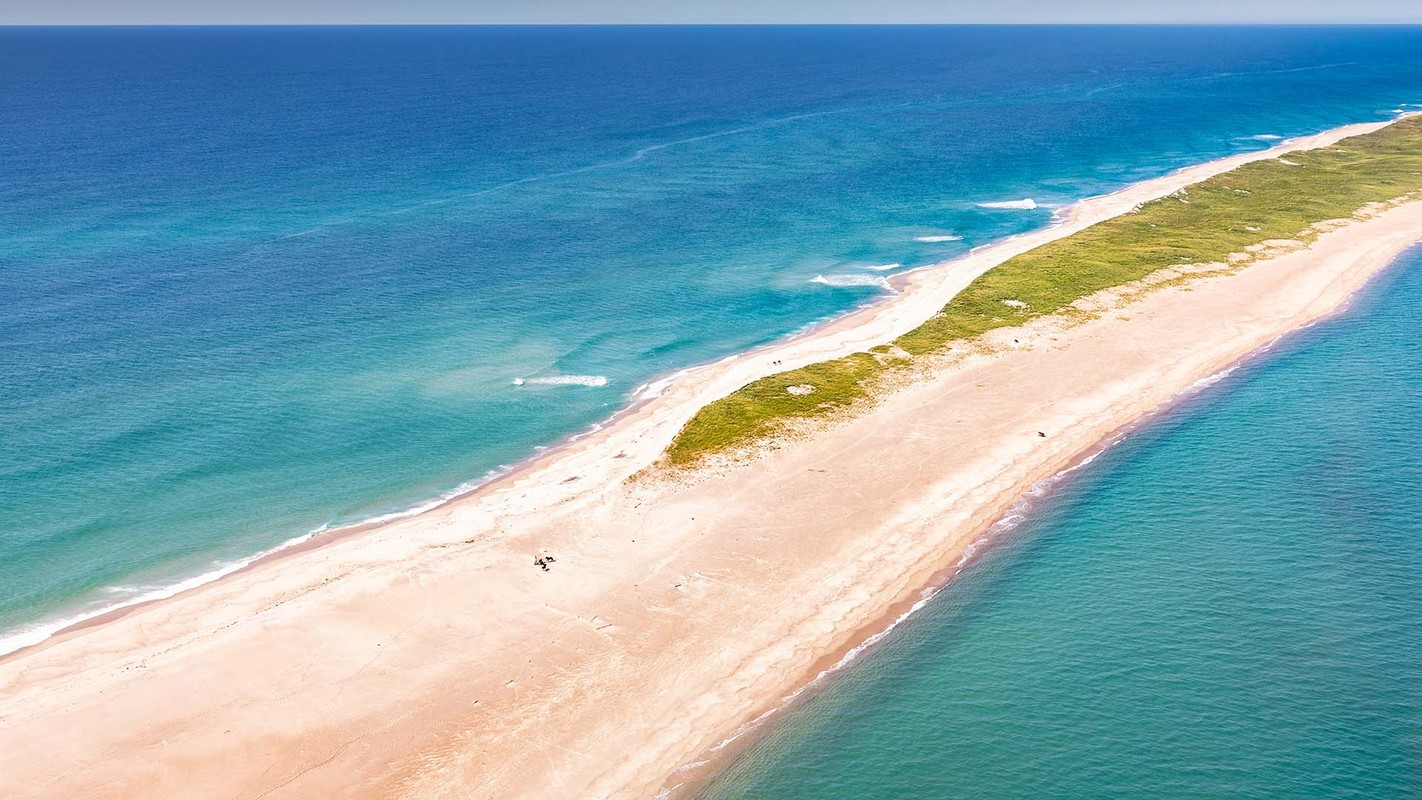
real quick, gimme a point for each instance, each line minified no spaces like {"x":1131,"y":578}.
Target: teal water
{"x":258,"y":282}
{"x":1228,"y":603}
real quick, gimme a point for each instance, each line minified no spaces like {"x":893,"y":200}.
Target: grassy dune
{"x":1204,"y":223}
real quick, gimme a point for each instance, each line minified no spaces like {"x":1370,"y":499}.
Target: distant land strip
{"x":1229,"y":220}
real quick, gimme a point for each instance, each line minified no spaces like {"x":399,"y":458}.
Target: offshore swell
{"x":114,"y":486}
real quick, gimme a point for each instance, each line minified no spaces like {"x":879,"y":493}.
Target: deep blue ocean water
{"x":259,"y":281}
{"x":1228,"y":604}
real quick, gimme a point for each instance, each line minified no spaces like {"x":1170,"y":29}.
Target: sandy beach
{"x":431,"y":658}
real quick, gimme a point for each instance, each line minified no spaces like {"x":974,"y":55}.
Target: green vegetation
{"x":1205,"y":223}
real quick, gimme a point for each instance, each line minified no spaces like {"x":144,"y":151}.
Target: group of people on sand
{"x":543,"y":562}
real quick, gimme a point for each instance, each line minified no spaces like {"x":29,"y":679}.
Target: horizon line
{"x":1400,"y":23}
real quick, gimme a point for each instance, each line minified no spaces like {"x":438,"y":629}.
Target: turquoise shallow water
{"x":1226,"y":604}
{"x":259,"y":281}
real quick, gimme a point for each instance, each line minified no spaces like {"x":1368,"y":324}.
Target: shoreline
{"x":698,"y":774}
{"x":695,"y":777}
{"x":916,"y":280}
{"x":435,"y":661}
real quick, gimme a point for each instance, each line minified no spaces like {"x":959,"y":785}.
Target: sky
{"x":181,"y":12}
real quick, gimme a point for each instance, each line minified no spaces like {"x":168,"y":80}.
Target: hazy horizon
{"x":726,"y":12}
{"x":655,"y":24}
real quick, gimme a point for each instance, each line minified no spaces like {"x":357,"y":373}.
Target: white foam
{"x":886,"y":267}
{"x":945,"y":237}
{"x":563,"y":380}
{"x":647,"y":391}
{"x":840,"y":281}
{"x":853,"y":653}
{"x":34,"y":634}
{"x":429,"y":505}
{"x":1265,"y":137}
{"x":1026,"y":204}
{"x":137,"y":595}
{"x":1210,"y":380}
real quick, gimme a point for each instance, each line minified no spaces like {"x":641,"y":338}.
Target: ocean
{"x":1227,"y":603}
{"x":261,"y":282}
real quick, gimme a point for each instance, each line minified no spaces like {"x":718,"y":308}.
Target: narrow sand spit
{"x":432,"y":658}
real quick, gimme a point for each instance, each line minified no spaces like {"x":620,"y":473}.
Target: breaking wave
{"x":841,"y":281}
{"x":1025,"y":204}
{"x":563,"y":380}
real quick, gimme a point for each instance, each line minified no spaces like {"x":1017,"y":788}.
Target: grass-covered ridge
{"x":1204,"y":223}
